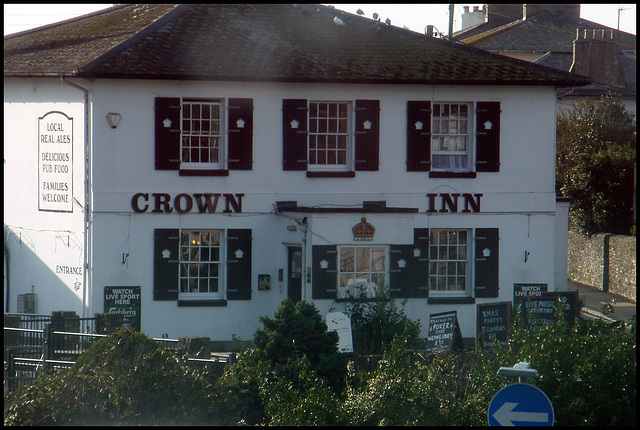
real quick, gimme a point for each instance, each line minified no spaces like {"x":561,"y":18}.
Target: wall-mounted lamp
{"x":113,"y":119}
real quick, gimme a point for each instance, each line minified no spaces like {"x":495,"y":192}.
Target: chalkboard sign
{"x":493,"y":324}
{"x":521,"y":292}
{"x":542,"y":310}
{"x":444,"y":333}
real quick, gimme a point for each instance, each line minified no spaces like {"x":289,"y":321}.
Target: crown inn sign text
{"x":227,"y":203}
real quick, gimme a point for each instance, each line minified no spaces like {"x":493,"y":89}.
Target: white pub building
{"x":201,"y":163}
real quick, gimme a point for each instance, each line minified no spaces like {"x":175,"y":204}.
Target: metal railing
{"x":28,"y":351}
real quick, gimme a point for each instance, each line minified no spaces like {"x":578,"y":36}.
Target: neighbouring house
{"x":191,"y":166}
{"x":554,"y":35}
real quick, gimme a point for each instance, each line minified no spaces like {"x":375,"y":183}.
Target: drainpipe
{"x":87,"y":196}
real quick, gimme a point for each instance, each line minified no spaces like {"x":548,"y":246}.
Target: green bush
{"x":125,"y":378}
{"x":297,"y":330}
{"x":375,"y":325}
{"x":595,"y":156}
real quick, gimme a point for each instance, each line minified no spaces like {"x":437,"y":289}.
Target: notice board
{"x":493,"y":324}
{"x":542,"y":310}
{"x":444,"y":333}
{"x":125,"y":301}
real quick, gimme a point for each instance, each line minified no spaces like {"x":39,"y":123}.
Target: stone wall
{"x":604,"y":261}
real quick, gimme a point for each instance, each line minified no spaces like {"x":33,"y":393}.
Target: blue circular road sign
{"x":520,"y":405}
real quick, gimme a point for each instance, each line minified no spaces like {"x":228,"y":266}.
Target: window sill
{"x":203,"y":303}
{"x":452,"y":174}
{"x":362,"y":299}
{"x":313,"y":174}
{"x":201,"y":172}
{"x":451,"y":300}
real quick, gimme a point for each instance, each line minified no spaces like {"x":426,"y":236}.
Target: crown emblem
{"x":363,"y":230}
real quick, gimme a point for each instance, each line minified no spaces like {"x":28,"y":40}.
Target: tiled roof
{"x":261,"y":42}
{"x":545,"y":32}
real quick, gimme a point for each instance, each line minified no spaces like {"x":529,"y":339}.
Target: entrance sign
{"x":125,"y":301}
{"x":340,"y":322}
{"x":55,"y":162}
{"x":444,"y":333}
{"x":493,"y":323}
{"x":520,"y":405}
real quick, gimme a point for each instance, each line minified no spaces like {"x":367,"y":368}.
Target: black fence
{"x":33,"y":343}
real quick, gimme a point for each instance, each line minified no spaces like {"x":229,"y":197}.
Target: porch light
{"x":113,"y":119}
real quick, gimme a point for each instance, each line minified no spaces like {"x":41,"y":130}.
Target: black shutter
{"x":418,"y":136}
{"x":239,"y":264}
{"x":168,"y":128}
{"x":166,"y":263}
{"x":240,"y":135}
{"x":294,"y":140}
{"x":487,"y":262}
{"x":412,"y":280}
{"x":325,"y":280}
{"x":367,"y":140}
{"x":488,"y":137}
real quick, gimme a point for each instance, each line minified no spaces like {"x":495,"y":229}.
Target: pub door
{"x":294,"y":276}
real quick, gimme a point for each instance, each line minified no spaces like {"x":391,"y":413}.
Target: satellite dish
{"x":375,"y":15}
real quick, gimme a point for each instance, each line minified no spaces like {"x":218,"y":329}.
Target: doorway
{"x":294,"y":274}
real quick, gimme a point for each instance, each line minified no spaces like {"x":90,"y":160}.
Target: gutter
{"x":87,"y":195}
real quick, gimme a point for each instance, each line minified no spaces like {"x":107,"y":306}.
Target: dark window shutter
{"x":240,"y":138}
{"x":166,"y":263}
{"x":487,"y":262}
{"x":325,"y":280}
{"x":168,"y":133}
{"x":418,"y":136}
{"x":294,"y":139}
{"x":239,"y":264}
{"x":367,"y":140}
{"x":412,"y":280}
{"x":488,"y":139}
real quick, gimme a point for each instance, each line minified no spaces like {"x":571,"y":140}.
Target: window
{"x":450,"y":139}
{"x":329,"y":135}
{"x":201,"y":267}
{"x":200,"y":270}
{"x":203,"y":136}
{"x":449,"y":261}
{"x":453,"y":139}
{"x":201,"y":144}
{"x":363,"y":272}
{"x":330,"y":138}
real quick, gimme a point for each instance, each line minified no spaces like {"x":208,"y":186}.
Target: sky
{"x":21,"y":17}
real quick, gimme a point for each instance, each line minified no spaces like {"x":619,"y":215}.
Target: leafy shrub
{"x":297,"y":330}
{"x":375,"y":325}
{"x":125,"y":378}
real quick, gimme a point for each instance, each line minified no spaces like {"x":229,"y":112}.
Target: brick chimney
{"x":500,"y":12}
{"x":597,"y":55}
{"x":531,"y":10}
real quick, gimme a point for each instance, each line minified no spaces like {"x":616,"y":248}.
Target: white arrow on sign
{"x":505,"y":415}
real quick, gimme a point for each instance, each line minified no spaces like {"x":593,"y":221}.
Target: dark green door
{"x":294,"y":276}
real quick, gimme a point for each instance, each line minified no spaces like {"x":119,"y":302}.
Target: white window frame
{"x":221,"y":135}
{"x":182,"y":270}
{"x":363,"y":286}
{"x":347,"y":166}
{"x":437,"y":263}
{"x":437,"y":133}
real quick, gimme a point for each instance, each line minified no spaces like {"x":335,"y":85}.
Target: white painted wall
{"x":39,"y":243}
{"x":520,"y":199}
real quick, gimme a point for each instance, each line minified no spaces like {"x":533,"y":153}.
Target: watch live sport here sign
{"x":125,"y":301}
{"x":520,"y":405}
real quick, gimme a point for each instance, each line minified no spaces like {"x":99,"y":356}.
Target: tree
{"x":595,"y":165}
